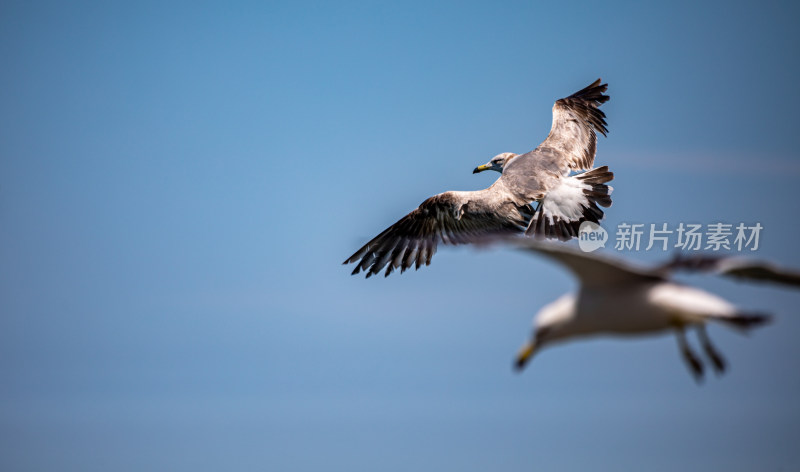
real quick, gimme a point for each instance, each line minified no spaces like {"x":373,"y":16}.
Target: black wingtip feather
{"x":587,"y":102}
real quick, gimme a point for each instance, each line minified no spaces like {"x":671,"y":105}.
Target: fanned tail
{"x":746,"y":321}
{"x":577,"y":199}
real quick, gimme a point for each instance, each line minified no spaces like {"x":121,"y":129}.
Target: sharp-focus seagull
{"x":615,"y":298}
{"x":541,"y":175}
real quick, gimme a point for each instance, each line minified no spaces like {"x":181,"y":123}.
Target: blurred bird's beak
{"x":481,"y":168}
{"x":524,"y":355}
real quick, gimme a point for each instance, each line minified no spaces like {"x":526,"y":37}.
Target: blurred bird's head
{"x":497,"y":163}
{"x":553,"y":322}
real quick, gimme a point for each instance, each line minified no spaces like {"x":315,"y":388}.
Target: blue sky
{"x":180,"y":182}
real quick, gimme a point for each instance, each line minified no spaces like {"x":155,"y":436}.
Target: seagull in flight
{"x":618,"y":299}
{"x":541,"y":176}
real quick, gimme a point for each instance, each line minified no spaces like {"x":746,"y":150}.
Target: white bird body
{"x":617,"y":299}
{"x":648,"y":308}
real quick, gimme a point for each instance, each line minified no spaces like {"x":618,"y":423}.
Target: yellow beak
{"x":524,"y":355}
{"x":481,"y":168}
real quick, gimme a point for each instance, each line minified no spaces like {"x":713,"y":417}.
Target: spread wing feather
{"x":450,"y":217}
{"x":576,"y":120}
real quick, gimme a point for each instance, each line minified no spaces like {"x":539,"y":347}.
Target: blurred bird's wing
{"x":593,"y":271}
{"x":735,"y":267}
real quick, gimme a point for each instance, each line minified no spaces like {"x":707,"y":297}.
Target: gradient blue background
{"x":180,"y":182}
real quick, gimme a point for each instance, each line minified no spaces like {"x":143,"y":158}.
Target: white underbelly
{"x":629,"y":311}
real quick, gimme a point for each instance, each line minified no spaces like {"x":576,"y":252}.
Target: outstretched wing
{"x":450,"y":217}
{"x":736,"y":267}
{"x":575,"y":120}
{"x":592,"y":270}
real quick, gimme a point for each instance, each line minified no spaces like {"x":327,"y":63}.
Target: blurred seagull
{"x":541,"y":175}
{"x":617,"y":299}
